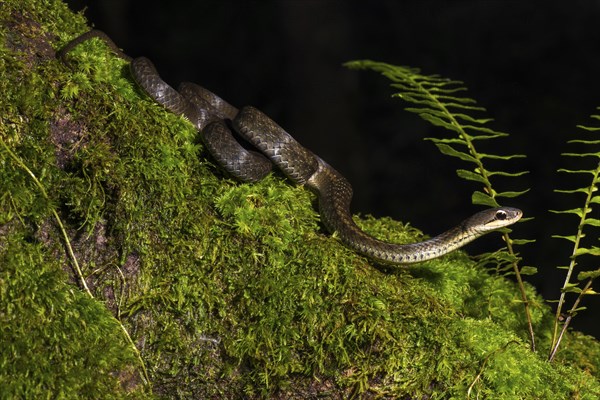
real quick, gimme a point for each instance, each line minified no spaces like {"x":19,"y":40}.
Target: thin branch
{"x":71,"y":253}
{"x":568,"y":320}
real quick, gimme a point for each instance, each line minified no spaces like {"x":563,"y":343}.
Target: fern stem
{"x":561,"y":299}
{"x":521,"y":286}
{"x":556,"y":338}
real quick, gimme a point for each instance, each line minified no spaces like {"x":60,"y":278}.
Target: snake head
{"x":495,"y":218}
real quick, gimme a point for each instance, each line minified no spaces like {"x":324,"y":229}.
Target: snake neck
{"x":335,"y":194}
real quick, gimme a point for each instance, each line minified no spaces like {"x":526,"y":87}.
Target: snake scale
{"x":213,"y":117}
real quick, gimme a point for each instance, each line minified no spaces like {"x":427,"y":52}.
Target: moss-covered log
{"x":197,"y":286}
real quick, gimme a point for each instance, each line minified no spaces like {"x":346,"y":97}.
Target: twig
{"x":568,"y":320}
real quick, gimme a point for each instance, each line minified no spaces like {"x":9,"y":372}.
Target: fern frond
{"x":436,"y":100}
{"x":585,"y":224}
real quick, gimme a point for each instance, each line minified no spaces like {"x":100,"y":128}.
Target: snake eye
{"x":501,"y":215}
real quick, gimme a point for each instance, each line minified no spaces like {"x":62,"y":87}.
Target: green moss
{"x":54,"y":338}
{"x":226,"y":289}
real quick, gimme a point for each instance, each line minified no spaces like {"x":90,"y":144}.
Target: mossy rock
{"x":227,"y":290}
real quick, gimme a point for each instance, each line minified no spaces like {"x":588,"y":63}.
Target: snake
{"x":220,"y":126}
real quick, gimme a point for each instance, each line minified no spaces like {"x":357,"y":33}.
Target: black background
{"x":534,"y":65}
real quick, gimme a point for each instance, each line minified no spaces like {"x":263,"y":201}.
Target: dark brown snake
{"x":210,"y":115}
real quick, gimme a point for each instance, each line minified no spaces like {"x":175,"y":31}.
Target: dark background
{"x":534,"y":65}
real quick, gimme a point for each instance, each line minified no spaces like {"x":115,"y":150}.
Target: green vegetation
{"x":437,"y":102}
{"x":202,"y":287}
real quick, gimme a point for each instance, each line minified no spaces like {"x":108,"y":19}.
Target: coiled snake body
{"x":210,"y":115}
